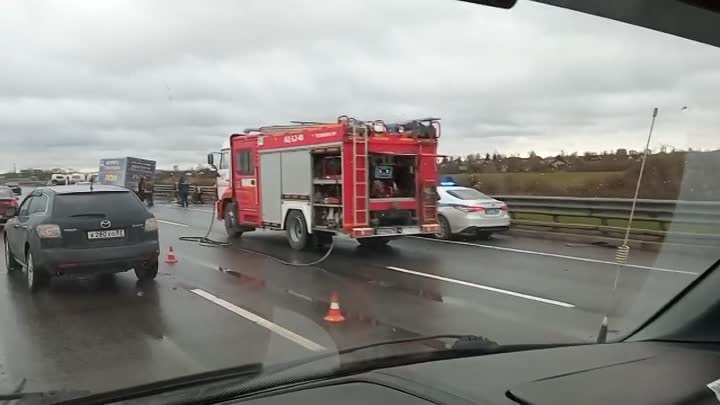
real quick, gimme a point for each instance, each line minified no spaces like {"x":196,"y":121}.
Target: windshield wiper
{"x":54,"y":396}
{"x":258,"y":377}
{"x":464,"y":346}
{"x":174,"y":384}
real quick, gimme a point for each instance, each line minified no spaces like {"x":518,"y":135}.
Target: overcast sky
{"x":169,"y":80}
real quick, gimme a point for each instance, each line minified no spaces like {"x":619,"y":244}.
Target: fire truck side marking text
{"x":293,"y":138}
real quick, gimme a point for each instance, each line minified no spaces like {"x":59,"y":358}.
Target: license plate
{"x":410,"y":230}
{"x":492,"y":211}
{"x":109,"y":234}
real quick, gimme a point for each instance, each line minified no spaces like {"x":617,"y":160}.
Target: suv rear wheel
{"x":34,"y":275}
{"x":11,"y":264}
{"x":147,"y":271}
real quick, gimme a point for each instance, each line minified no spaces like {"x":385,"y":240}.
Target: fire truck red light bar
{"x":434,"y":228}
{"x":361,"y":232}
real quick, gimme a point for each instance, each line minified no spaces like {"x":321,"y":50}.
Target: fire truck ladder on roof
{"x":271,"y":129}
{"x":360,"y":175}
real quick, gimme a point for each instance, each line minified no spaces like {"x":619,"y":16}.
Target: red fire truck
{"x":366,"y":180}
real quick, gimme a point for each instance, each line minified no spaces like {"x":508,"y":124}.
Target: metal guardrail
{"x":167,"y":192}
{"x":686,"y":220}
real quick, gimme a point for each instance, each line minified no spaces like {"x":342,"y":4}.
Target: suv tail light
{"x":467,"y":208}
{"x":48,"y":231}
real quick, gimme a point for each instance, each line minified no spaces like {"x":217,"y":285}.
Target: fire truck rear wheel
{"x":297,"y":234}
{"x":373,"y":242}
{"x":231,"y":225}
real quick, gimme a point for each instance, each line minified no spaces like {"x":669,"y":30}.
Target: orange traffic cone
{"x":171,"y":256}
{"x":334,"y":314}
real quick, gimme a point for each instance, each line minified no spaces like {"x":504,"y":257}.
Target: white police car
{"x":466,"y":211}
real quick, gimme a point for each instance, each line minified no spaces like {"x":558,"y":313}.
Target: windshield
{"x":67,"y":205}
{"x":468,"y":194}
{"x":6,"y":193}
{"x":320,"y":227}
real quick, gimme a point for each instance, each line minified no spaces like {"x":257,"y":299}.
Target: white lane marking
{"x":304,"y":342}
{"x":533,"y":252}
{"x":181,"y":208}
{"x":162,"y":221}
{"x":197,"y":209}
{"x":483,"y":287}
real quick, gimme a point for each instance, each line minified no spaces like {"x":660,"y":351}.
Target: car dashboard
{"x":620,"y":373}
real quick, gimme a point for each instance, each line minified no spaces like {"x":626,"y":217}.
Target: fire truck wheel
{"x":231,"y":226}
{"x":373,"y":242}
{"x":297,"y":234}
{"x":444,"y":233}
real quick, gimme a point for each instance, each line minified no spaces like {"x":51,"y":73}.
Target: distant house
{"x":558,"y":164}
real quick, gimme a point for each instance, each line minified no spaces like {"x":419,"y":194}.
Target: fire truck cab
{"x":366,"y":180}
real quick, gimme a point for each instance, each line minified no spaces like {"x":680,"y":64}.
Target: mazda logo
{"x":105,"y":224}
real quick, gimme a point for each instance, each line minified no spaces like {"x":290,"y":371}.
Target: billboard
{"x":125,"y":172}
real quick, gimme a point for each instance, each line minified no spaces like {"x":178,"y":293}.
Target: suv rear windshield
{"x":97,"y":202}
{"x":6,"y":193}
{"x":468,"y":194}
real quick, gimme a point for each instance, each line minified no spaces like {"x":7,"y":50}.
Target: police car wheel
{"x":484,"y":235}
{"x":445,"y":232}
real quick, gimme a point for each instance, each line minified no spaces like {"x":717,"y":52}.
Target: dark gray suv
{"x":74,"y":230}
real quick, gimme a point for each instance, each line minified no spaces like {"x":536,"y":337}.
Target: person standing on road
{"x":184,"y":191}
{"x":141,"y":189}
{"x":148,"y":190}
{"x":175,"y":183}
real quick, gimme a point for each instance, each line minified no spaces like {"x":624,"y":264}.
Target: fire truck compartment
{"x":285,"y":179}
{"x":392,"y":176}
{"x":327,"y":189}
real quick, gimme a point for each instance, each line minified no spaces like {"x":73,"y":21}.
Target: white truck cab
{"x":223,"y":168}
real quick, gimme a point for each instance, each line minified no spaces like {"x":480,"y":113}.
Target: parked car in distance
{"x":57,"y":179}
{"x":70,"y":230}
{"x":466,"y":211}
{"x":15,"y":188}
{"x":8,"y":204}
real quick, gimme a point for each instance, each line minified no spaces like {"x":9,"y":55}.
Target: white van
{"x":75,"y":178}
{"x":57,"y":179}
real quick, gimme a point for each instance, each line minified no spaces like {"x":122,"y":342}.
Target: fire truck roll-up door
{"x":271,"y":188}
{"x":286,"y":184}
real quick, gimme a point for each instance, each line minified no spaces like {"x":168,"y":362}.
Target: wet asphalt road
{"x":221,"y":307}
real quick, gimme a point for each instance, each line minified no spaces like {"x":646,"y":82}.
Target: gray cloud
{"x":170,"y":79}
